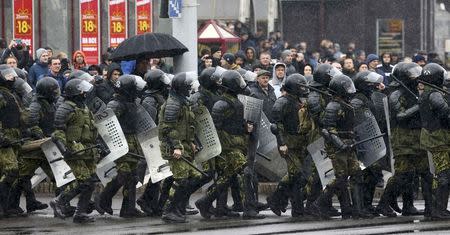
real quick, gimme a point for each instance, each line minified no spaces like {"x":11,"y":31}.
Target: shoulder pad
{"x":173,"y":107}
{"x":115,"y":106}
{"x":34,"y":116}
{"x":357,"y":103}
{"x":219,"y":107}
{"x":62,"y":115}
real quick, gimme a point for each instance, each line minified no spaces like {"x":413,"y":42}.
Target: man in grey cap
{"x":40,"y":67}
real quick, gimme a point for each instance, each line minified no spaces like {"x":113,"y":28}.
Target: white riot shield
{"x":158,"y":168}
{"x":38,"y":177}
{"x":276,"y":168}
{"x":252,"y":108}
{"x":206,"y":136}
{"x":148,"y":139}
{"x":61,"y":170}
{"x":107,"y":172}
{"x":323,"y":163}
{"x":109,"y":129}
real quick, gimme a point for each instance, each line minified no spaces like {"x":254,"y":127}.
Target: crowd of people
{"x":306,"y":96}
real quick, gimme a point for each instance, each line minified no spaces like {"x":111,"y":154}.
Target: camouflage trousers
{"x":83,"y":171}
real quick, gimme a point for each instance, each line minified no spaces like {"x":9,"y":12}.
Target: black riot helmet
{"x":182,"y":83}
{"x":233,"y":82}
{"x":128,"y":86}
{"x":367,"y":81}
{"x":407,"y":73}
{"x":75,"y":87}
{"x":342,"y":86}
{"x":207,"y":80}
{"x":295,"y":84}
{"x":434,"y":74}
{"x":156,"y":80}
{"x":48,"y":88}
{"x":323,"y":75}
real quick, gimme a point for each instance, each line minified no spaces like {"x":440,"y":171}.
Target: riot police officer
{"x":234,"y":131}
{"x":40,"y":123}
{"x":434,"y":136}
{"x":125,"y":108}
{"x":9,"y":137}
{"x":153,"y":97}
{"x":338,"y":122}
{"x":410,"y":158}
{"x":75,"y":132}
{"x":317,"y":102}
{"x":176,"y":134}
{"x":292,"y":125}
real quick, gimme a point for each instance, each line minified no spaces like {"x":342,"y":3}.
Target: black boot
{"x":440,"y":197}
{"x":236,"y":194}
{"x":277,"y":199}
{"x":408,"y":208}
{"x":171,"y":213}
{"x":193,"y":184}
{"x":32,"y":203}
{"x":103,"y":201}
{"x":250,"y":210}
{"x":389,"y":195}
{"x":296,"y":195}
{"x":426,"y":183}
{"x":358,"y":202}
{"x":319,"y":207}
{"x":222,"y":210}
{"x":81,"y":216}
{"x":149,"y":199}
{"x":59,"y":204}
{"x":165,"y":189}
{"x":128,"y":209}
{"x":13,"y":207}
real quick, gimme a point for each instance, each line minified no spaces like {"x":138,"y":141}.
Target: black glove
{"x":5,"y":142}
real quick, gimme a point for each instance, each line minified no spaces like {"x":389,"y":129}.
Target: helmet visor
{"x":414,"y":72}
{"x":85,"y":86}
{"x":87,"y":77}
{"x":140,"y":83}
{"x":349,"y":87}
{"x":373,"y":77}
{"x":334,"y":72}
{"x":22,"y":86}
{"x":165,"y":79}
{"x":192,"y":81}
{"x":250,"y":76}
{"x":9,"y":74}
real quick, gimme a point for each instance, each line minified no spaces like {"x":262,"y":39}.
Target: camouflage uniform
{"x":294,"y":132}
{"x":10,"y":123}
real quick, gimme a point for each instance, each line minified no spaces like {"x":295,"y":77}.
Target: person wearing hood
{"x":105,"y":89}
{"x":386,"y":67}
{"x":250,"y":58}
{"x":40,"y":67}
{"x":79,"y":60}
{"x":286,"y":58}
{"x":278,"y":76}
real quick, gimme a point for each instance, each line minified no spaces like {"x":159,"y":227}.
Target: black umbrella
{"x":149,"y":45}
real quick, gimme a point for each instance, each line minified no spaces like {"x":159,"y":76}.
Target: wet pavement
{"x":44,"y":222}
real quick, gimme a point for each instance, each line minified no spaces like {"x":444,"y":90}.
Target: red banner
{"x":117,"y":22}
{"x":23,"y":22}
{"x":90,"y":31}
{"x":143,"y":16}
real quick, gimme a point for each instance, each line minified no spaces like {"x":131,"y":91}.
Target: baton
{"x":86,"y":149}
{"x":193,"y":166}
{"x":404,"y":86}
{"x":20,"y":141}
{"x":136,"y":155}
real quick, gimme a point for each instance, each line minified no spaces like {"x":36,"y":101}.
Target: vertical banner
{"x":89,"y":30}
{"x":23,"y":22}
{"x":390,"y":36}
{"x":117,"y":22}
{"x":143,"y":16}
